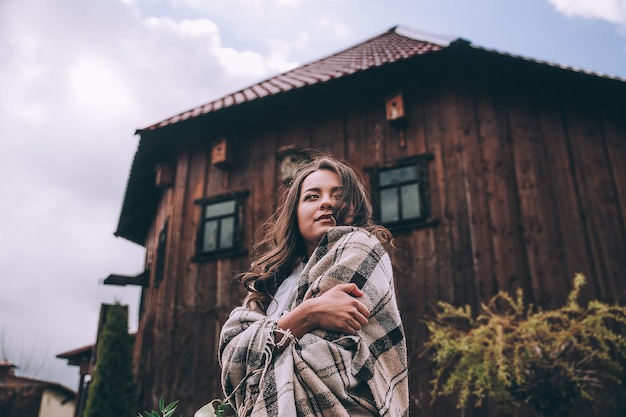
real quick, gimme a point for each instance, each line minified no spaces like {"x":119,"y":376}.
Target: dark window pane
{"x":410,"y":201}
{"x":227,"y":233}
{"x":398,"y":175}
{"x":160,"y":260}
{"x":389,"y":205}
{"x":210,"y":236}
{"x":219,"y":209}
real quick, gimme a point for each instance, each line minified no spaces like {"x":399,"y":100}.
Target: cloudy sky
{"x":78,"y":77}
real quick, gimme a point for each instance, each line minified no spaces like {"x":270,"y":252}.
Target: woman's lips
{"x":326,"y":217}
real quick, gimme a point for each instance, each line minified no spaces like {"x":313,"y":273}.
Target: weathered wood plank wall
{"x":528,"y":184}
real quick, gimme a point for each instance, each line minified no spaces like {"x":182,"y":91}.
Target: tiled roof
{"x":393,"y":45}
{"x":551,"y":64}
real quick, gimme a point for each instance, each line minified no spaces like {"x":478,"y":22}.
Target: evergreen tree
{"x":112,"y":389}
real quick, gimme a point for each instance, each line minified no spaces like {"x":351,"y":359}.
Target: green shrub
{"x":522,"y":357}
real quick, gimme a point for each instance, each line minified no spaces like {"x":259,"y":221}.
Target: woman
{"x":319,"y":333}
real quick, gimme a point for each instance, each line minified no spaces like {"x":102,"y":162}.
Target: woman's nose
{"x":326,"y":203}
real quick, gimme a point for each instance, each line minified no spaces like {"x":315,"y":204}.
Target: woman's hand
{"x":336,"y":310}
{"x":339,"y":310}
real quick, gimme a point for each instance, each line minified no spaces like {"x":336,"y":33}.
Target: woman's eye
{"x":310,"y":197}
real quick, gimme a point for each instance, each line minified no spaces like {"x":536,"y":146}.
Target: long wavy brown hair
{"x":281,"y":247}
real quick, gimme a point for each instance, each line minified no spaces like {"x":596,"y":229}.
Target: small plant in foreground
{"x":165,"y":410}
{"x":216,"y":408}
{"x":519,"y":357}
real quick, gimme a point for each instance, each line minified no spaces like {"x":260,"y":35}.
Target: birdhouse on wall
{"x":394,"y":106}
{"x":164,"y":175}
{"x":220,"y":154}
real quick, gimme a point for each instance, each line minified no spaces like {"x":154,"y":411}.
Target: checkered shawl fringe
{"x":324,"y":373}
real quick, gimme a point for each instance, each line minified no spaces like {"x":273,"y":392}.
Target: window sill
{"x":411,"y":225}
{"x":227,"y":253}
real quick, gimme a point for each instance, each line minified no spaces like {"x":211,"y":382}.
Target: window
{"x":400,"y":193}
{"x":219,"y":234}
{"x":160,"y":255}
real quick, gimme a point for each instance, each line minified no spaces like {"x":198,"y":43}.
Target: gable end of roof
{"x":396,"y":44}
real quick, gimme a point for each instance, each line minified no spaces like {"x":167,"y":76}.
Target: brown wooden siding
{"x":528,"y":184}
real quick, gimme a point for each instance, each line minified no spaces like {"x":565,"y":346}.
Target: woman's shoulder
{"x":345,"y":234}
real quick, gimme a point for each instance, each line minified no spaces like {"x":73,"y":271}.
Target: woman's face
{"x":317,"y":198}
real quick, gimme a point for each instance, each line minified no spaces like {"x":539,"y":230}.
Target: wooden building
{"x":28,"y":397}
{"x":494,"y":172}
{"x":82,"y":358}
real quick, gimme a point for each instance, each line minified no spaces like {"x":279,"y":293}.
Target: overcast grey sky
{"x":77,"y":78}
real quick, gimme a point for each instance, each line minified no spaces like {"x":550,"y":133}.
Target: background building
{"x":28,"y":397}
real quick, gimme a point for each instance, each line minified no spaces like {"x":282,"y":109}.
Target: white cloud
{"x":290,"y":2}
{"x":205,"y":34}
{"x":96,"y":87}
{"x":613,"y":11}
{"x":241,"y":62}
{"x":195,"y":27}
{"x":282,"y":29}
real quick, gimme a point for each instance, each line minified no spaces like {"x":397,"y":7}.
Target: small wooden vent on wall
{"x":394,"y":106}
{"x":164,"y":175}
{"x":220,"y":154}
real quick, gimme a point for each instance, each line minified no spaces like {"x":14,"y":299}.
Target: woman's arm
{"x":337,"y":309}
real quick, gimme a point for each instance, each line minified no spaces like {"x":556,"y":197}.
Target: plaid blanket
{"x":324,"y":373}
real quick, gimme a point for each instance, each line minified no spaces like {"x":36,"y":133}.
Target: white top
{"x":281,"y":298}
